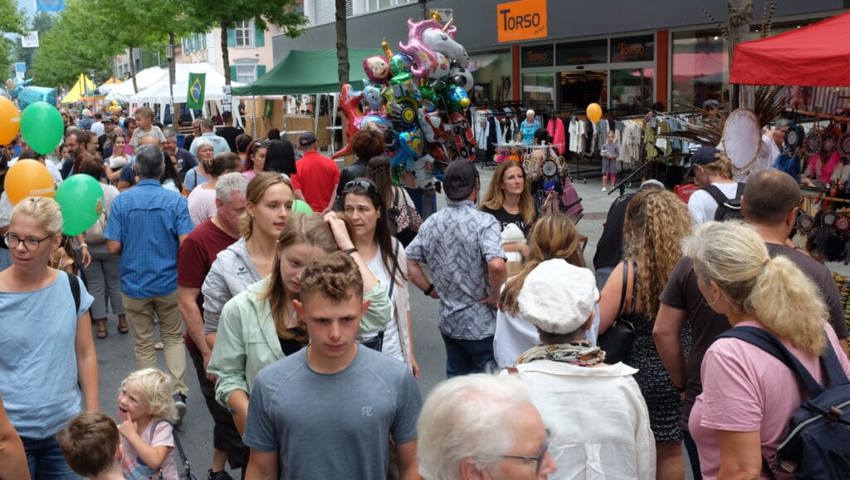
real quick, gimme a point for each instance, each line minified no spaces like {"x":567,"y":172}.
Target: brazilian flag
{"x":195,"y":95}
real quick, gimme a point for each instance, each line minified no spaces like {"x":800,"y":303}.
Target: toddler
{"x":610,"y":161}
{"x":144,"y":404}
{"x":90,"y":446}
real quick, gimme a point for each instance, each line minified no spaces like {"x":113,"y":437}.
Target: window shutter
{"x":261,"y":70}
{"x":233,"y":73}
{"x":231,"y":37}
{"x":259,"y":36}
{"x":349,"y":8}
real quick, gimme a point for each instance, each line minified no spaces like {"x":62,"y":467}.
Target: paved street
{"x":115,"y":353}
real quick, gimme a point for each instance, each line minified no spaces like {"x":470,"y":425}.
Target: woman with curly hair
{"x":656,"y":222}
{"x":552,"y":236}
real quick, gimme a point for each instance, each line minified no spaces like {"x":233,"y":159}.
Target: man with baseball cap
{"x":597,"y":416}
{"x":463,"y":250}
{"x":316,"y":177}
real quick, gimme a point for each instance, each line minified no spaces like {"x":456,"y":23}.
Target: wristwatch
{"x":428,"y":290}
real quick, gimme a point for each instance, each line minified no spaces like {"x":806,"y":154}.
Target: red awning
{"x":816,"y":55}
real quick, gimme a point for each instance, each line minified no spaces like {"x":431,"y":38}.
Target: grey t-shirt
{"x":333,"y":425}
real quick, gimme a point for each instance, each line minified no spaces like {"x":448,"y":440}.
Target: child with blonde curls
{"x":145,"y":403}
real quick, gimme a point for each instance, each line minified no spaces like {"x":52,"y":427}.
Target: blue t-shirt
{"x":38,"y":362}
{"x":528,"y":130}
{"x":148,"y":219}
{"x":333,"y":425}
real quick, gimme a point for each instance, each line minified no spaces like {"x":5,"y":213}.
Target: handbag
{"x":618,"y":340}
{"x":405,"y":218}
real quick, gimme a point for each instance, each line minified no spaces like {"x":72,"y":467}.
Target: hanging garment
{"x":575,"y":133}
{"x":555,"y":127}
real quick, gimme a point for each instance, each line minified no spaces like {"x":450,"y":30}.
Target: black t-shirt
{"x":230,"y":134}
{"x":682,"y":293}
{"x":609,"y":249}
{"x":506,"y":218}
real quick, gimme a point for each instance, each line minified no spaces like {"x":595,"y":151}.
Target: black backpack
{"x":727,"y":208}
{"x":817,"y":446}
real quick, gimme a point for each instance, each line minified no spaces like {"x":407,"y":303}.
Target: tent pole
{"x":254,"y":112}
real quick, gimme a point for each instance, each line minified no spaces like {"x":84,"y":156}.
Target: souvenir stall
{"x":818,"y":150}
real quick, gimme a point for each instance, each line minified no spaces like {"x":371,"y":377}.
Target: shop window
{"x":582,"y":53}
{"x":538,"y":56}
{"x":492,"y":74}
{"x":538,"y":91}
{"x":699,"y":68}
{"x":633,"y":49}
{"x":632,"y":90}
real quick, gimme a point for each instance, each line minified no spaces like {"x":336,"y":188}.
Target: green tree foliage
{"x":225,"y":14}
{"x":11,"y":19}
{"x":6,"y":59}
{"x":41,"y":23}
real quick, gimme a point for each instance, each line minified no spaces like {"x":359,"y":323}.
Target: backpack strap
{"x":740,"y":191}
{"x":74,"y":283}
{"x":769,"y":343}
{"x":181,"y":454}
{"x":717,"y":194}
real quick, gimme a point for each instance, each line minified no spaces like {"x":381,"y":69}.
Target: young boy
{"x":610,"y":161}
{"x":145,"y":126}
{"x":330,"y":410}
{"x":90,"y":444}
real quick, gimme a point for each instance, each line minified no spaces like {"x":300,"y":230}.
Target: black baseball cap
{"x":306,"y":139}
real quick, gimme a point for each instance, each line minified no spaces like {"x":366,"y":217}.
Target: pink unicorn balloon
{"x":432,"y":49}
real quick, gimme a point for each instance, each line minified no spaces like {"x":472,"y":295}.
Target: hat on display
{"x":704,"y":156}
{"x":306,"y":139}
{"x":459,"y":179}
{"x":558,"y":297}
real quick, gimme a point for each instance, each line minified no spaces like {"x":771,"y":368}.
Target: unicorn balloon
{"x":432,"y":48}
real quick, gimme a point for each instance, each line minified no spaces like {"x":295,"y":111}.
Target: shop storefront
{"x":616,"y":72}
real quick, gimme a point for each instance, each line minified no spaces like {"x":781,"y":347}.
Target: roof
{"x":815,"y":55}
{"x":308,"y":72}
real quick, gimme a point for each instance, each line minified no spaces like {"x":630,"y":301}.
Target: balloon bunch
{"x":417,"y":97}
{"x":42,"y":128}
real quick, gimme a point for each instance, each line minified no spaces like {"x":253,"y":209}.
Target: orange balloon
{"x":28,"y":178}
{"x":10,"y":121}
{"x":594,"y":112}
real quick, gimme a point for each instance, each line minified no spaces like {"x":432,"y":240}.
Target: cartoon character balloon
{"x":377,"y":68}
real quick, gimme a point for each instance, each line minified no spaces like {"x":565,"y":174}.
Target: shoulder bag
{"x":618,"y":340}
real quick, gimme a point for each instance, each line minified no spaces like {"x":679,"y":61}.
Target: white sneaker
{"x":604,"y":189}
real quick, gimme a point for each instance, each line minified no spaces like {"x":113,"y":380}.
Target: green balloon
{"x":42,"y":127}
{"x":79,"y":198}
{"x":300,"y":206}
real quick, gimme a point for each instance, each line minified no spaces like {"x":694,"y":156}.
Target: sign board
{"x":227,"y":101}
{"x":30,"y":40}
{"x":20,"y":70}
{"x":521,"y":20}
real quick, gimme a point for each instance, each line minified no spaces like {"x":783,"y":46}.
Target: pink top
{"x":157,"y":435}
{"x":825,"y":173}
{"x":249,"y":174}
{"x":746,"y":389}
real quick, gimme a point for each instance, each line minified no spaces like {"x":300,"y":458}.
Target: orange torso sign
{"x":521,"y":20}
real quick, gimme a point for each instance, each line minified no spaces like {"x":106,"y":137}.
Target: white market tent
{"x":158,"y":92}
{"x":144,"y":79}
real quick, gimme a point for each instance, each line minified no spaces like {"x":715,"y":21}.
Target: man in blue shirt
{"x":146,"y":226}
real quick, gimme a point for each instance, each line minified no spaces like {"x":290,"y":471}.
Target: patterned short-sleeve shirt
{"x":456,"y":243}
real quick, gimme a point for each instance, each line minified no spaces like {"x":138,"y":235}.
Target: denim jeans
{"x":425,"y":201}
{"x":468,"y":356}
{"x":45,"y":460}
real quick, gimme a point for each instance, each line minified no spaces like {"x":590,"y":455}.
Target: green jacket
{"x":247,"y":340}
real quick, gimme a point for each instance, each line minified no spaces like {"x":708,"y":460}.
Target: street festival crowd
{"x":288,"y":282}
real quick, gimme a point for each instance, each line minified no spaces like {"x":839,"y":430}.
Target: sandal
{"x":123,"y":328}
{"x":102,"y":331}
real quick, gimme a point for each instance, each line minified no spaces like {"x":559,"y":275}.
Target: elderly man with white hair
{"x":529,"y":126}
{"x":482,"y":426}
{"x":598,"y":418}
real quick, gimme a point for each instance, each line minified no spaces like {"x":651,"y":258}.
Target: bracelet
{"x":428,"y":290}
{"x":84,"y":245}
{"x":349,"y":251}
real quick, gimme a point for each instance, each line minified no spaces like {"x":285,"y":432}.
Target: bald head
{"x":770,"y":195}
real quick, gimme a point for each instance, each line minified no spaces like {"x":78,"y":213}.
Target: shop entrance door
{"x":578,"y":89}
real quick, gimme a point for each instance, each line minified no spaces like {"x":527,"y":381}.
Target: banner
{"x":49,"y":5}
{"x":195,"y":95}
{"x":30,"y":40}
{"x":521,"y":20}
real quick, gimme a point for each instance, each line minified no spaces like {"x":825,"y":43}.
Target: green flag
{"x":195,"y":95}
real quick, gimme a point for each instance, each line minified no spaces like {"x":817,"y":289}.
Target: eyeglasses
{"x":361,"y":183}
{"x":539,"y":458}
{"x":12,"y":241}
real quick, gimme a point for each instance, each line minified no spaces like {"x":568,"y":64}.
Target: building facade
{"x":557,"y":55}
{"x":249,"y":48}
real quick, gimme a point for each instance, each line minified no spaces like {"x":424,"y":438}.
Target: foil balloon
{"x":456,"y":98}
{"x":379,"y":122}
{"x":433,"y":127}
{"x":410,"y":146}
{"x":462,"y":78}
{"x":349,"y":105}
{"x":403,"y":113}
{"x":372,"y":98}
{"x":377,"y":68}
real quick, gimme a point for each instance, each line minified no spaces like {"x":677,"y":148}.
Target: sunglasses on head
{"x":360,"y":183}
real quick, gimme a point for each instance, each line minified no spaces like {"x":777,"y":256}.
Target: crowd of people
{"x":299,"y":326}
